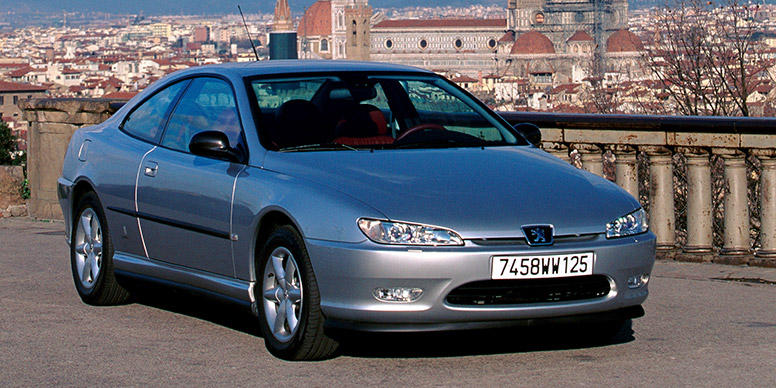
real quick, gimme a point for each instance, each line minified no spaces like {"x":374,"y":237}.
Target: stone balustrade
{"x":744,"y":147}
{"x":640,"y":153}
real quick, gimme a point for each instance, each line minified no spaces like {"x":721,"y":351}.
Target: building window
{"x":538,"y":18}
{"x":542,"y":78}
{"x":458,"y":43}
{"x":492,"y":43}
{"x":388,"y":44}
{"x":423,"y":44}
{"x":15,"y":100}
{"x":2,"y":100}
{"x":324,"y":45}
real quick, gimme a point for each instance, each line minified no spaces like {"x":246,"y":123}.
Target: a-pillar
{"x":735,"y":247}
{"x":626,"y":169}
{"x":766,"y":255}
{"x":700,"y":219}
{"x":661,"y":198}
{"x":591,"y":157}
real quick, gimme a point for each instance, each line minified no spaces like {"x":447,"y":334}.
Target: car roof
{"x":290,"y":66}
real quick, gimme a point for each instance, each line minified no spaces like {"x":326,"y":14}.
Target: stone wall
{"x":52,"y":123}
{"x":11,"y":201}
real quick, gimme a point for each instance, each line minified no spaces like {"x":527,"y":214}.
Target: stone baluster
{"x":736,"y":235}
{"x":661,"y":197}
{"x":591,"y":157}
{"x":626,"y":169}
{"x":558,"y":150}
{"x":767,"y":251}
{"x":700,"y":221}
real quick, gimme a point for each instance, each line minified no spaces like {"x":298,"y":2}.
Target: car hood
{"x":478,"y":192}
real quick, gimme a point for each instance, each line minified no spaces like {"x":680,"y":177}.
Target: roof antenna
{"x":248,"y":32}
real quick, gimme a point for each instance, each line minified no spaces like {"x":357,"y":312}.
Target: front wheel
{"x":91,"y":255}
{"x":289,"y":305}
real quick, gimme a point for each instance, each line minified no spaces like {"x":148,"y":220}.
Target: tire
{"x":289,"y":305}
{"x":91,"y":255}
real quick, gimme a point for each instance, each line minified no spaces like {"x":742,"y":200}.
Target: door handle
{"x":150,"y":169}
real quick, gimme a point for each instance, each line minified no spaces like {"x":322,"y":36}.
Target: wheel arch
{"x":80,"y":188}
{"x":268,"y":222}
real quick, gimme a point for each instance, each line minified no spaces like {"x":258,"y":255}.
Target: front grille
{"x":529,"y":291}
{"x":521,"y":240}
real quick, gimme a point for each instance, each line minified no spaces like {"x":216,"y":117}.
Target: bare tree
{"x":705,"y":56}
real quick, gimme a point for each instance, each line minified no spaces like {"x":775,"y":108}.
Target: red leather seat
{"x":363,"y":125}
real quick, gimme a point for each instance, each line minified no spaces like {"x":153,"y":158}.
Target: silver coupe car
{"x":331,"y":196}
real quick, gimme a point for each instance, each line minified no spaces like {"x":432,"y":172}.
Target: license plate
{"x":535,"y":267}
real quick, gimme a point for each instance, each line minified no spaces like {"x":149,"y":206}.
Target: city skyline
{"x":194,"y":7}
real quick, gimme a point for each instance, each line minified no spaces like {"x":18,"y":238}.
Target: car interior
{"x":366,"y":112}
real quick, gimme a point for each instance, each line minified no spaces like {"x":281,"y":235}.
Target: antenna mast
{"x":256,"y":53}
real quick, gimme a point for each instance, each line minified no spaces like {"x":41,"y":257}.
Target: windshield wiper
{"x":319,"y":147}
{"x":442,"y":143}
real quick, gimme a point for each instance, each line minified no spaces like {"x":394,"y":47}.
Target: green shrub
{"x":7,"y":145}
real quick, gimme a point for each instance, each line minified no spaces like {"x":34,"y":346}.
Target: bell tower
{"x":282,"y":39}
{"x":357,"y":38}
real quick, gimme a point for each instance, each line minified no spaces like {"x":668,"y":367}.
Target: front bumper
{"x":347,"y":274}
{"x":65,"y":195}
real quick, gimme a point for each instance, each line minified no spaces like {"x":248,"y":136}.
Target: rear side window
{"x":147,"y":120}
{"x":207,"y":105}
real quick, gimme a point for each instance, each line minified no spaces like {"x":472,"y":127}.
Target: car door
{"x":121,"y":153}
{"x":184,"y":200}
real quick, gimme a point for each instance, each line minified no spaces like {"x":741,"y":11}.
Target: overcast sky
{"x":194,"y":7}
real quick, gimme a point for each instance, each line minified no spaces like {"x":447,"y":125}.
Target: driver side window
{"x":207,"y":105}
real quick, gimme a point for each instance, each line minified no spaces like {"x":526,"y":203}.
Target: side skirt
{"x":217,"y":286}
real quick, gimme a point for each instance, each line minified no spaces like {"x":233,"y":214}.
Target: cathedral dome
{"x":623,"y":41}
{"x":533,"y":42}
{"x":316,"y":20}
{"x":581,"y":36}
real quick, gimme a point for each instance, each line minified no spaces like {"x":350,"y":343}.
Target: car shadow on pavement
{"x":195,"y":305}
{"x":478,"y":342}
{"x":390,"y":345}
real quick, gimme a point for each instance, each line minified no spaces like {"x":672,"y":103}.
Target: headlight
{"x":628,"y":225}
{"x":402,"y":233}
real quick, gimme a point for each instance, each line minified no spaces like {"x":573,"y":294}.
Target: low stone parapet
{"x":11,"y":202}
{"x":52,"y":123}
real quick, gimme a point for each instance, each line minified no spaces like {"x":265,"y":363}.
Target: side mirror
{"x":214,"y":144}
{"x":530,"y":132}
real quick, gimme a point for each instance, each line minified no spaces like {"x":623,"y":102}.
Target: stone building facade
{"x":335,"y":29}
{"x":547,"y":42}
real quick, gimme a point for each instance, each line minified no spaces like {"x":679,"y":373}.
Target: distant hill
{"x":200,"y":7}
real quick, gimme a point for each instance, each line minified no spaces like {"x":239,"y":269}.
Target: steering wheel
{"x":421,"y":127}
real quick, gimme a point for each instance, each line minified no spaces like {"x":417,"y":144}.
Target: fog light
{"x":397,"y":294}
{"x":638,"y":281}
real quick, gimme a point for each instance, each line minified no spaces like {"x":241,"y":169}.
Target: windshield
{"x":352,"y":112}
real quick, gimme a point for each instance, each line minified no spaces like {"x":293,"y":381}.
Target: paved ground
{"x":698,"y":332}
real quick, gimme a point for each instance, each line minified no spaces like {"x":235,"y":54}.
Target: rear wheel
{"x":289,"y":305}
{"x":91,"y":255}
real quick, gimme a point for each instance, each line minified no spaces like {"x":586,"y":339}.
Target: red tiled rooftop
{"x":622,"y":41}
{"x":463,"y":78}
{"x":120,"y":95}
{"x":533,"y":42}
{"x":509,"y":37}
{"x":19,"y":87}
{"x":442,"y":23}
{"x":581,"y":36}
{"x":20,"y":72}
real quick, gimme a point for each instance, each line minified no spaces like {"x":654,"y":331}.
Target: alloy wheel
{"x":282,"y":294}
